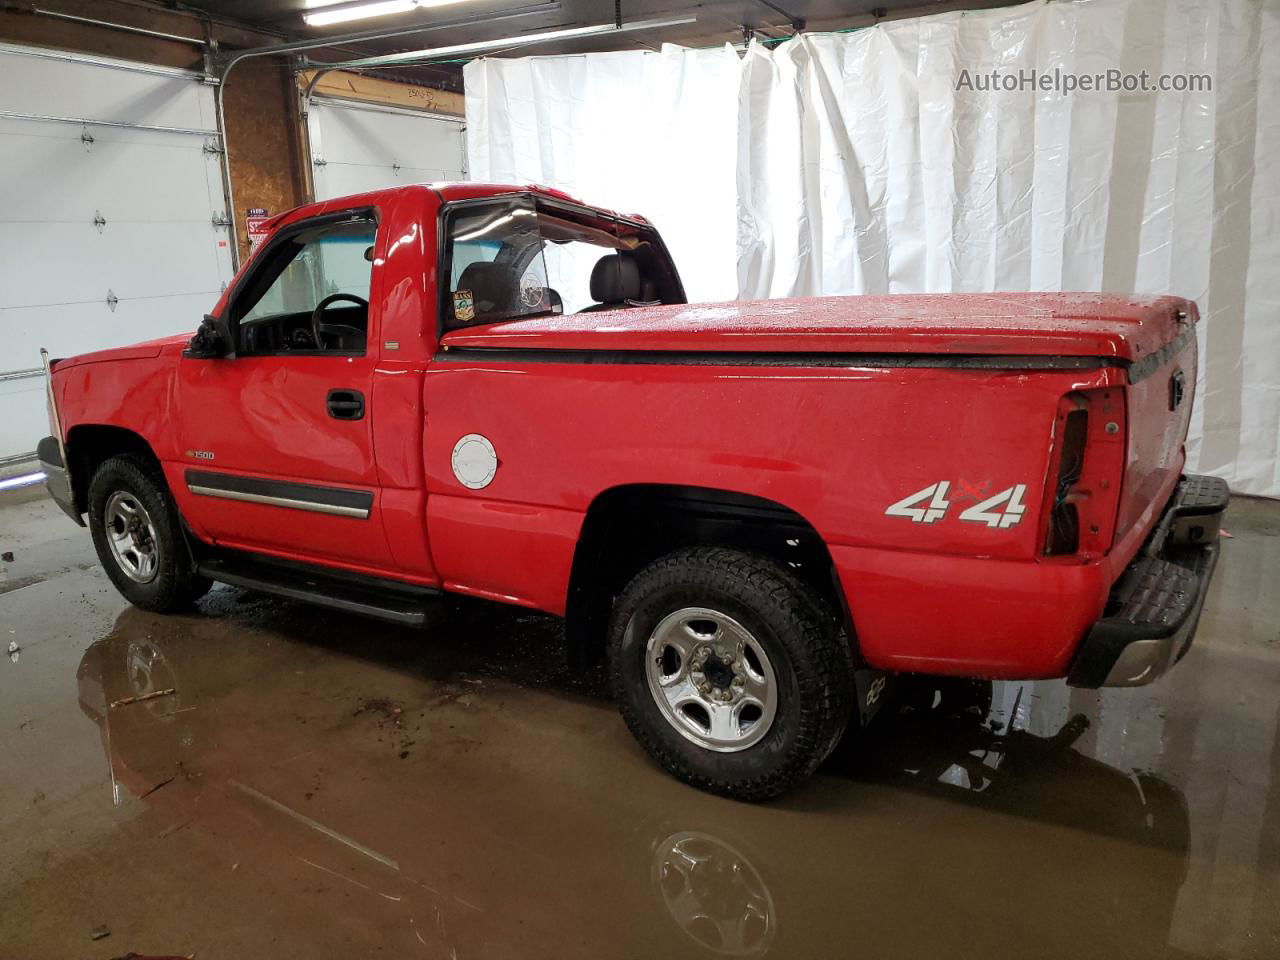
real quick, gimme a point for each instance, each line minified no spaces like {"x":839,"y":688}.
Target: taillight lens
{"x":1064,"y":518}
{"x":1085,"y":473}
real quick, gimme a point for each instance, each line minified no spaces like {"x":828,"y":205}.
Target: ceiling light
{"x":341,"y":13}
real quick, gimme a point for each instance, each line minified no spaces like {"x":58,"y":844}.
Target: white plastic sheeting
{"x":649,"y":133}
{"x":854,"y":163}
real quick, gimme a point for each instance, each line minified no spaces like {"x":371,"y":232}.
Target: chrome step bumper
{"x":1154,"y":608}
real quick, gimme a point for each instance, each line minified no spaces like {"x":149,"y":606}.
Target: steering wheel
{"x":317,"y":326}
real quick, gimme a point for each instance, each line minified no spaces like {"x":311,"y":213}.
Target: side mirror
{"x":212,"y":340}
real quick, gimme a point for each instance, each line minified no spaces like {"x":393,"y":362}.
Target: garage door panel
{"x":158,"y":252}
{"x":342,"y":179}
{"x":131,"y":259}
{"x":368,"y":148}
{"x":354,"y":135}
{"x":152,"y":175}
{"x":47,"y":86}
{"x":25,"y":420}
{"x":70,"y":329}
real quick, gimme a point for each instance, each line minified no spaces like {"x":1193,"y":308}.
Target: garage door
{"x":110,"y":202}
{"x":357,"y":147}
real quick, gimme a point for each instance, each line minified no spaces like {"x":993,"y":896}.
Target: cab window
{"x":520,"y":257}
{"x":310,"y":295}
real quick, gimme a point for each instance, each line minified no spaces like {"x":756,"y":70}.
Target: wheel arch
{"x":90,"y":444}
{"x":629,"y":526}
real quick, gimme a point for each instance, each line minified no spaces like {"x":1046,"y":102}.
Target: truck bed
{"x":1122,"y":329}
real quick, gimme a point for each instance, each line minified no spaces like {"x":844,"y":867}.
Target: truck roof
{"x":447,"y":191}
{"x":1025,"y":324}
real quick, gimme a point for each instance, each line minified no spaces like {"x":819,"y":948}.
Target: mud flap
{"x":873,"y":688}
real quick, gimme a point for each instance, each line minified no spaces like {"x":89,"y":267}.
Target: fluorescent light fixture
{"x":25,"y":480}
{"x":481,"y":46}
{"x":332,"y":13}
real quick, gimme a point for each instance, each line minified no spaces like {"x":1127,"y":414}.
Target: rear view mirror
{"x":211,"y":341}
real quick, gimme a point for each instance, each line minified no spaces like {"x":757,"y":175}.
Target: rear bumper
{"x":57,"y":477}
{"x":1154,"y":607}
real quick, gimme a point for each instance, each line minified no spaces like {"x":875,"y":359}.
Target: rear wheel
{"x":136,"y":533}
{"x":730,"y":672}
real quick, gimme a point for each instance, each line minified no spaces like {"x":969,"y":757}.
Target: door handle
{"x":345,"y":404}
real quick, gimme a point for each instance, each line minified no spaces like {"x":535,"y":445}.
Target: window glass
{"x":276,"y":310}
{"x":325,"y":261}
{"x":496,"y":269}
{"x":516,"y":258}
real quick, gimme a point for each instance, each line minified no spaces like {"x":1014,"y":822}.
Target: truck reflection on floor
{"x":930,"y":798}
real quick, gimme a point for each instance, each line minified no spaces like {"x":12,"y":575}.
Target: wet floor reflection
{"x":957,"y":799}
{"x":714,"y":894}
{"x":260,"y":777}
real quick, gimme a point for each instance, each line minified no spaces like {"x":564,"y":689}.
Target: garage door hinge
{"x":221,"y":220}
{"x":99,"y":220}
{"x":86,"y":137}
{"x":319,"y":161}
{"x":112,"y":300}
{"x":211,"y":147}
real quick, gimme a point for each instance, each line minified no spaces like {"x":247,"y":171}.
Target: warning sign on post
{"x":255,"y":220}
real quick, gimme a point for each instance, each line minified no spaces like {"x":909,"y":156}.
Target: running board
{"x":390,"y":600}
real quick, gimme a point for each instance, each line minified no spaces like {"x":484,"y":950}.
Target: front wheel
{"x":731,"y":673}
{"x":135,"y":531}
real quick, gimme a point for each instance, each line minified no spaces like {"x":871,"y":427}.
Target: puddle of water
{"x":317,"y":782}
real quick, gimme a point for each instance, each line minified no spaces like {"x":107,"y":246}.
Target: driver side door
{"x":276,"y":442}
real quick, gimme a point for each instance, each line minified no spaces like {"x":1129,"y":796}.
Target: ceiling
{"x":718,"y":22}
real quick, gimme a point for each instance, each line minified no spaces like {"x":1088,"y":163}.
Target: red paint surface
{"x":835,"y":444}
{"x":1027,"y":324}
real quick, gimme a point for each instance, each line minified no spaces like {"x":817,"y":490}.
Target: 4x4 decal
{"x":911,"y":506}
{"x":1003,"y":510}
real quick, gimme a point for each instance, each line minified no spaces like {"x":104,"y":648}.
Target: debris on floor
{"x":125,"y":701}
{"x":99,"y":932}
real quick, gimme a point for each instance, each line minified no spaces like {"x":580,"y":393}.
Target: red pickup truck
{"x":759,"y":513}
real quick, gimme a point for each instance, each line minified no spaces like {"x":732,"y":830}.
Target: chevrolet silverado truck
{"x":758,"y":514}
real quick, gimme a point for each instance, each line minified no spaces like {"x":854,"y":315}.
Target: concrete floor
{"x":324,"y":786}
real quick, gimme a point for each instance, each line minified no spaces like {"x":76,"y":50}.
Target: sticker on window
{"x":532,"y":291}
{"x":464,"y":305}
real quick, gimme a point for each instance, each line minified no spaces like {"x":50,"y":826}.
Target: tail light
{"x":1085,"y":472}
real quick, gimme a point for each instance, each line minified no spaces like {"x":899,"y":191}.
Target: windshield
{"x":516,"y":258}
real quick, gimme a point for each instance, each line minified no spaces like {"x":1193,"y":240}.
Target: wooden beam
{"x":346,"y":85}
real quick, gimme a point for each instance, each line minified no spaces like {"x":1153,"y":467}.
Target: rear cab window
{"x":517,"y":257}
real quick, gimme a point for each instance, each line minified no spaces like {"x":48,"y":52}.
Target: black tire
{"x":174,"y":584}
{"x":806,"y":646}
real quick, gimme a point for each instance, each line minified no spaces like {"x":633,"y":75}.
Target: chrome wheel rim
{"x":711,"y":679}
{"x":131,"y":535}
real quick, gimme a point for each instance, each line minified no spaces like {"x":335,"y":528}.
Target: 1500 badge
{"x":1004,"y":509}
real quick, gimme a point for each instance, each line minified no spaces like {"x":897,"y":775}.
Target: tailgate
{"x":1159,"y":411}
